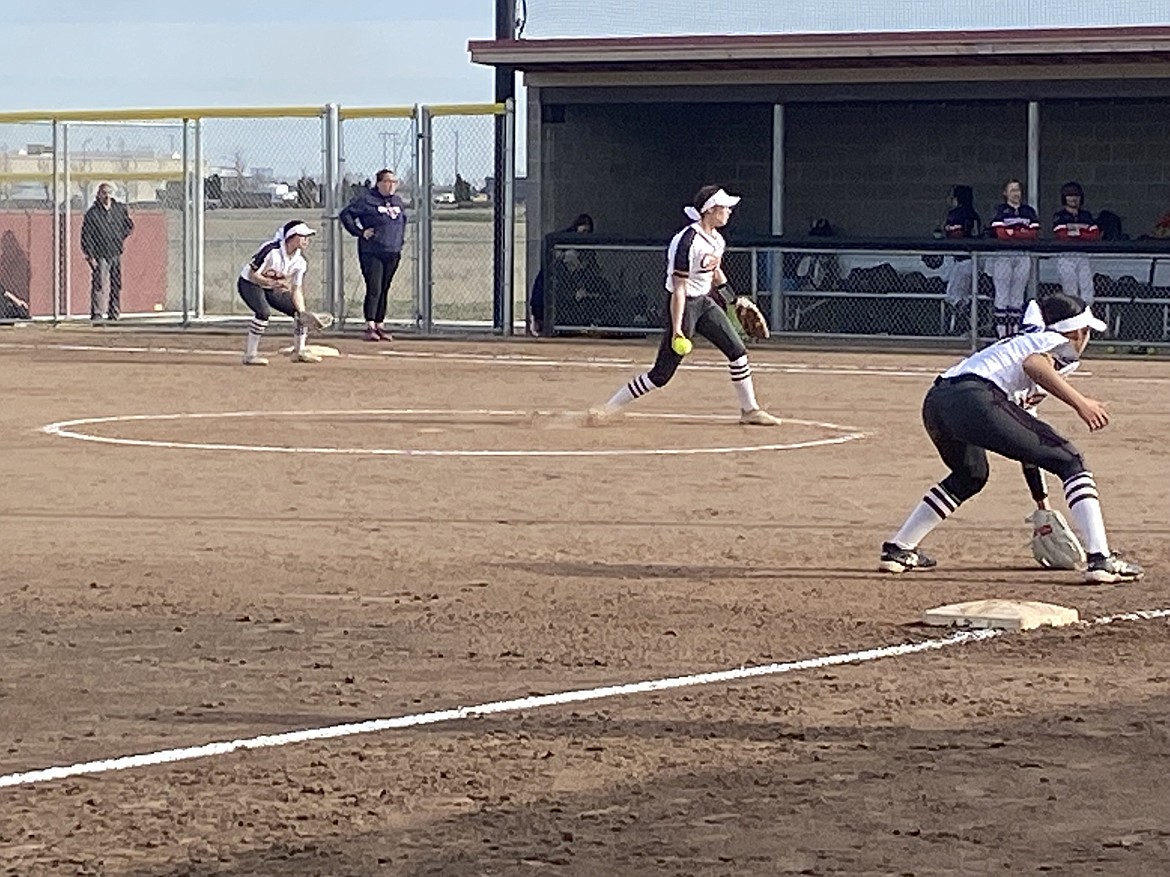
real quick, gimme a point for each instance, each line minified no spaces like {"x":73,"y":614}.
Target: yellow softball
{"x":681,"y":345}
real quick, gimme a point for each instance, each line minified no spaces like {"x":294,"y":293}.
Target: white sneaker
{"x":758,"y":417}
{"x":255,"y":360}
{"x":305,"y":356}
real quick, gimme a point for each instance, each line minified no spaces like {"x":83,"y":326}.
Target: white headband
{"x":719,"y":199}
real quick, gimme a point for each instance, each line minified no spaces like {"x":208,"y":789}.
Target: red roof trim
{"x":876,"y":44}
{"x":808,"y":40}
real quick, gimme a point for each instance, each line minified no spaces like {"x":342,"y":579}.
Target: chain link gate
{"x":457,"y":224}
{"x":372,"y":139}
{"x":260,"y":169}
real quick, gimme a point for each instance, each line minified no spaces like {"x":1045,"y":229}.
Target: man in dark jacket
{"x":104,"y":230}
{"x":377,"y":218}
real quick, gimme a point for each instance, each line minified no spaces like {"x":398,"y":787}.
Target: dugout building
{"x":867,"y":130}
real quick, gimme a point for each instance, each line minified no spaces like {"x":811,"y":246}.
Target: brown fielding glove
{"x":751,"y":318}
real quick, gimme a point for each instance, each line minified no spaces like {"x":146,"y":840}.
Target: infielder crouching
{"x":972,"y":409}
{"x":272,"y":280}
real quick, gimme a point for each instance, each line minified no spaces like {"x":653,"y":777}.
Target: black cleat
{"x":896,"y":560}
{"x":1110,"y":570}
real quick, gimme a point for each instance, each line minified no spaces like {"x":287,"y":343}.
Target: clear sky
{"x":69,"y":54}
{"x":64,"y":54}
{"x":98,"y":54}
{"x":88,"y":54}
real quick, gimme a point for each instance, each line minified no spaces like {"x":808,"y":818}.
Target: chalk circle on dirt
{"x":605,"y":441}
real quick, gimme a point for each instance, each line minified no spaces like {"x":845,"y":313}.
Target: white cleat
{"x":1112,"y":570}
{"x":600,"y":416}
{"x":255,"y":360}
{"x":305,"y":356}
{"x":759,"y":417}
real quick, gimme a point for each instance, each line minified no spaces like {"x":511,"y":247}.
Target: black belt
{"x":959,"y":379}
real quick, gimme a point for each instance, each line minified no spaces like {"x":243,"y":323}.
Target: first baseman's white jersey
{"x":1003,"y":362}
{"x":273,"y":257}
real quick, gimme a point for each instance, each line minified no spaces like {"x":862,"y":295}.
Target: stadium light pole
{"x":505,"y":90}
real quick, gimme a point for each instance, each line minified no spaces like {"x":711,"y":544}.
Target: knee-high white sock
{"x":934,"y":508}
{"x":635,"y":389}
{"x":741,"y":379}
{"x":255,"y":333}
{"x":300,"y":336}
{"x":1084,"y":507}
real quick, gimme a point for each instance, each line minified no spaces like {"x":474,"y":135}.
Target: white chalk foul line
{"x":523,"y":704}
{"x":513,"y":359}
{"x":68,"y":429}
{"x":797,"y":368}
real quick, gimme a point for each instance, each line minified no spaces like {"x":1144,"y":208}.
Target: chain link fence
{"x":934,"y":293}
{"x":202,"y":190}
{"x":124,"y":254}
{"x":67,"y":253}
{"x":27,"y":240}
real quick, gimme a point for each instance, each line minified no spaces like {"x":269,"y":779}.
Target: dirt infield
{"x":154,"y":597}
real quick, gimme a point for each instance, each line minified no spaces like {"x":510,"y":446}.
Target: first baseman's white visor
{"x":1084,"y":320}
{"x":720,"y":199}
{"x":301,"y":229}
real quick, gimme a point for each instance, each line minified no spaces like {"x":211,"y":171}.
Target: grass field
{"x":461,"y":273}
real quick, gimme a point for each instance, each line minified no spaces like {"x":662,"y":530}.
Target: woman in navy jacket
{"x":377,"y":218}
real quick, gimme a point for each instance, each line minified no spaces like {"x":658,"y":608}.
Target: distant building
{"x":27,"y":174}
{"x":521,"y":188}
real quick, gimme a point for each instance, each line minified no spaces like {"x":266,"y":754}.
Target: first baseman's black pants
{"x":263,"y":301}
{"x":968,"y":416}
{"x":378,"y":269}
{"x":703,"y":317}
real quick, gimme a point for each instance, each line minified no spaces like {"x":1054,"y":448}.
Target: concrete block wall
{"x":874,"y":169}
{"x":1118,"y":150}
{"x":886,"y":169}
{"x":634,"y":166}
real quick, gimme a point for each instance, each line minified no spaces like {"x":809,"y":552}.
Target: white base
{"x":1001,"y":614}
{"x":319,"y":349}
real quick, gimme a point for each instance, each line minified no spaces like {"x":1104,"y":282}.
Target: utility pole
{"x":386,"y":137}
{"x":395,"y":151}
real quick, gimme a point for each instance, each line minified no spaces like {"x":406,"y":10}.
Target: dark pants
{"x":967,"y":417}
{"x":378,"y":269}
{"x":105,"y":291}
{"x":703,"y":317}
{"x":263,"y":301}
